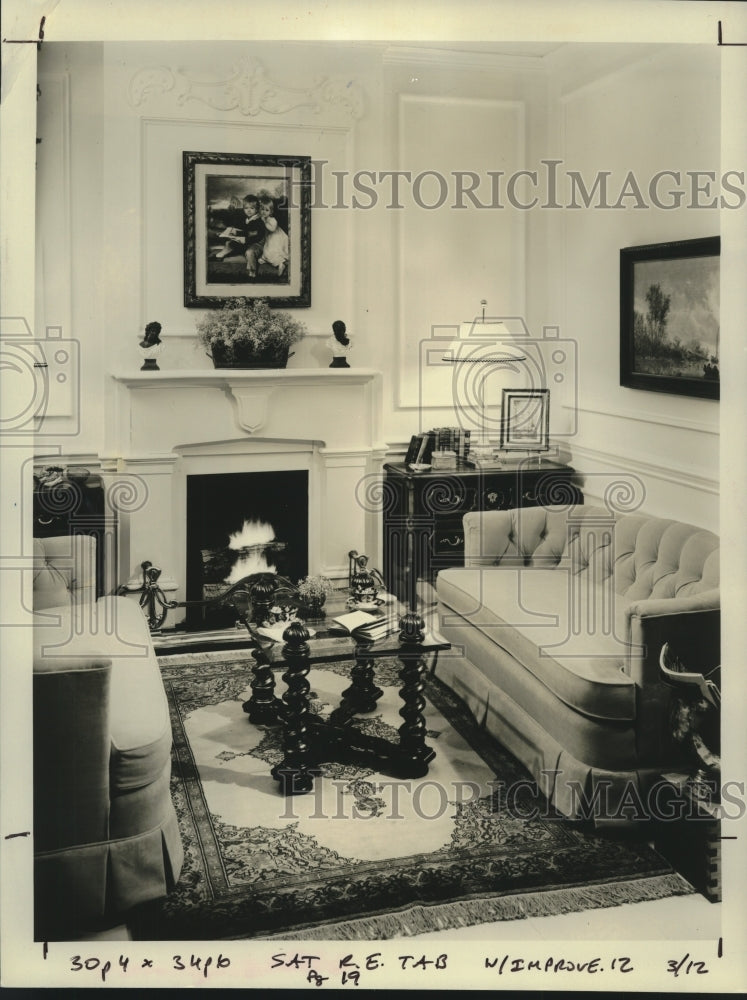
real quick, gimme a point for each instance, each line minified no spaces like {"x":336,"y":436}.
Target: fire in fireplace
{"x":239,"y":524}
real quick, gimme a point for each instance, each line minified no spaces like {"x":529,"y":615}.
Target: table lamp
{"x":486,"y":349}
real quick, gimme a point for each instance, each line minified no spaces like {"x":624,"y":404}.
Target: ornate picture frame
{"x":525,"y":420}
{"x":247,"y":228}
{"x":669,"y":317}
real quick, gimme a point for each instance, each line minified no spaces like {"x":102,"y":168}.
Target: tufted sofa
{"x":105,"y":831}
{"x":556,"y":622}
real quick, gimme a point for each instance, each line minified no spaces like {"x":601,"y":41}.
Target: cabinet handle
{"x":453,"y":541}
{"x":494,"y":498}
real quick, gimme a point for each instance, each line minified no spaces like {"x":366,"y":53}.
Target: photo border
{"x":540,"y":443}
{"x":702,"y":388}
{"x":299,"y":168}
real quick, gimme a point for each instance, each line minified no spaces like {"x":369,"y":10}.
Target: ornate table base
{"x":310,"y":740}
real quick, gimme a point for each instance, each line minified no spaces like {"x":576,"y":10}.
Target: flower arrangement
{"x":248,"y":333}
{"x":312,"y":588}
{"x":312,"y":592}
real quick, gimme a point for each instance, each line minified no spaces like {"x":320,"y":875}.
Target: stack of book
{"x":423,"y":445}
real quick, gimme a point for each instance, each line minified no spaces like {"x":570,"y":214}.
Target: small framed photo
{"x":525,"y":420}
{"x":247,"y":228}
{"x":669,"y":317}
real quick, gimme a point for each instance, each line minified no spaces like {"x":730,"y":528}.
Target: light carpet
{"x":364,"y":856}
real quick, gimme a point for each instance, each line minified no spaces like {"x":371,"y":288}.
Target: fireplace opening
{"x":242,"y":523}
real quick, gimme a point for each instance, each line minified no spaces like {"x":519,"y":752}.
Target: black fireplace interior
{"x":240,"y":523}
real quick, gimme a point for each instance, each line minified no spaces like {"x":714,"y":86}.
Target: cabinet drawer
{"x":447,"y":496}
{"x":447,"y":539}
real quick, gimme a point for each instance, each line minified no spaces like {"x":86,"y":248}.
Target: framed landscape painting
{"x":247,"y":228}
{"x":669,"y":317}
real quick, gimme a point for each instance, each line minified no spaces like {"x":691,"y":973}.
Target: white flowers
{"x":249,"y":326}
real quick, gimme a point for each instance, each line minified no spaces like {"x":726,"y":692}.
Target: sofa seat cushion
{"x":139,"y":725}
{"x":533,"y":615}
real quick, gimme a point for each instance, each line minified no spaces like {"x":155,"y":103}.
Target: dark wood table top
{"x":330,"y":643}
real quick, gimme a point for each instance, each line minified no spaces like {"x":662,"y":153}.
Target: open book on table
{"x":363,"y":625}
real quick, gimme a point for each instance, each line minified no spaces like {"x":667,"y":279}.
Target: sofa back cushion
{"x":528,"y":536}
{"x":648,"y":556}
{"x":657,"y":557}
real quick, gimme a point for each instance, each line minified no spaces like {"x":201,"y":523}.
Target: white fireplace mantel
{"x":257,"y":394}
{"x":187,"y":377}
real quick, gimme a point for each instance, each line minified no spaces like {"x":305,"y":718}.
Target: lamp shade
{"x":484,"y":341}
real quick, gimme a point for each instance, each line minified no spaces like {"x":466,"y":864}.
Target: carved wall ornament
{"x":247,"y":90}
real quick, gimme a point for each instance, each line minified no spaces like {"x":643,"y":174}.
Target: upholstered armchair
{"x":106,"y":836}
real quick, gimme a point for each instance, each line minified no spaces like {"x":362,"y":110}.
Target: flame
{"x":253,"y":535}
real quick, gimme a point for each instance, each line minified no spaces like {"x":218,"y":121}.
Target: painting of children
{"x":247,"y":228}
{"x":250,"y":242}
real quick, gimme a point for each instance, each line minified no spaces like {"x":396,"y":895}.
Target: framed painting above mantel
{"x":669,"y":317}
{"x":247,"y":228}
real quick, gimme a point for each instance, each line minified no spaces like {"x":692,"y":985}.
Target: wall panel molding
{"x":283,"y":135}
{"x":481,"y":243}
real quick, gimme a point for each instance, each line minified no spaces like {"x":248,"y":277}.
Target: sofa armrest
{"x":72,"y":747}
{"x":691,"y":625}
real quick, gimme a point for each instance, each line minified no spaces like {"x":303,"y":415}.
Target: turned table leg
{"x":296,"y":771}
{"x":362,"y":695}
{"x":415,"y":754}
{"x":263,"y":708}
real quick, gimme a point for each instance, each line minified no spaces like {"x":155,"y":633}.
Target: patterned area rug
{"x":363,"y":856}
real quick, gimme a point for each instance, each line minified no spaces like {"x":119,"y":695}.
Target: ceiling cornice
{"x":409,"y":55}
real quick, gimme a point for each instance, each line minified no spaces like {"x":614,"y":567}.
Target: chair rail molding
{"x":648,"y":417}
{"x":676,"y":476}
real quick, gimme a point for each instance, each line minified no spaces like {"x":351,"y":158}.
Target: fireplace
{"x":172,"y":425}
{"x":241,"y":523}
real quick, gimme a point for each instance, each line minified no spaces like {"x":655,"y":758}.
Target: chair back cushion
{"x":64,"y":570}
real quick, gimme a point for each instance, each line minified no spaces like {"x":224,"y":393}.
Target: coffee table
{"x":310,"y":740}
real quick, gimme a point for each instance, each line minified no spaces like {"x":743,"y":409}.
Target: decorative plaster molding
{"x":249,"y":91}
{"x":251,"y":406}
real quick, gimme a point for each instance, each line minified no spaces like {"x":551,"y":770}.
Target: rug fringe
{"x":467,"y":913}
